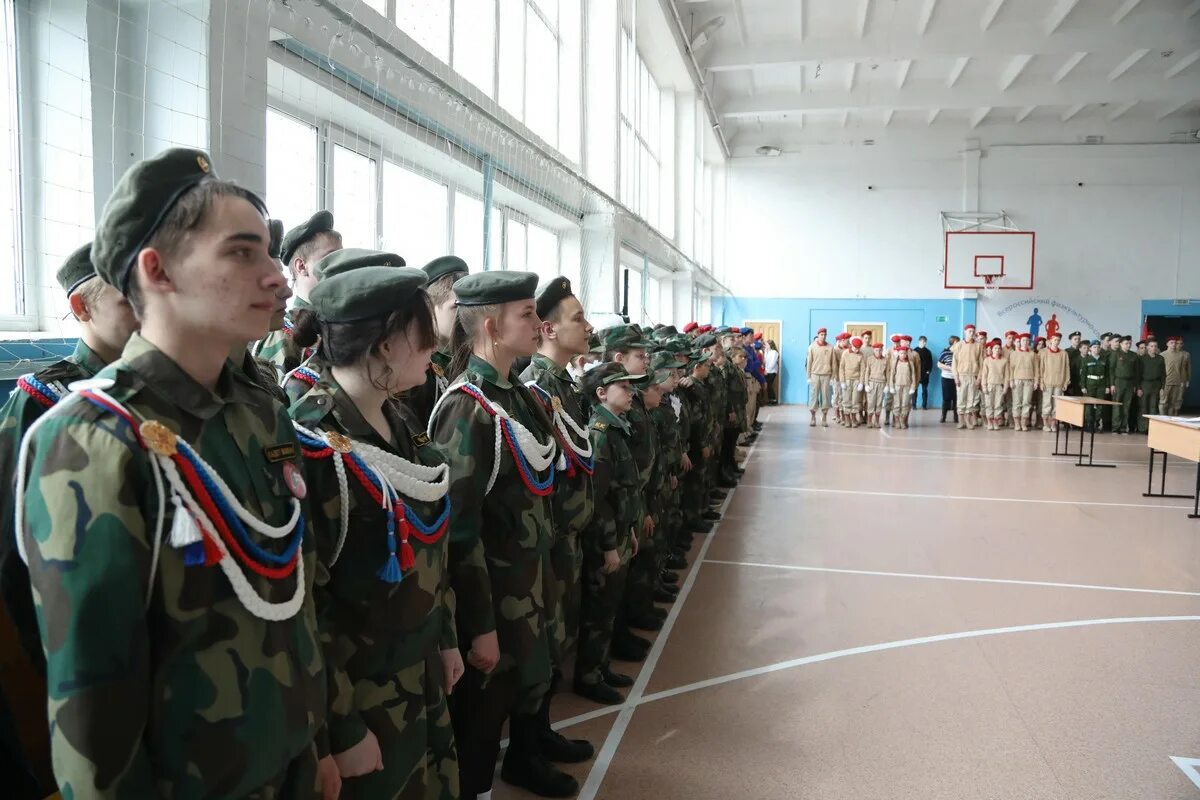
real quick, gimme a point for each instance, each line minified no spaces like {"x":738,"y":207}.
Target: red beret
{"x":968,"y":327}
{"x":903,"y":348}
{"x":822,"y":330}
{"x":983,"y":334}
{"x":757,"y":337}
{"x":1010,"y":333}
{"x":1027,"y":336}
{"x":877,"y":346}
{"x":856,"y":342}
{"x":691,"y":326}
{"x":706,"y":328}
{"x":995,"y":343}
{"x":1040,"y":338}
{"x":842,"y":336}
{"x":896,"y":339}
{"x":906,"y":338}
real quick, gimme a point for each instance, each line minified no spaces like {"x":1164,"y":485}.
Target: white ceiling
{"x":801,"y":73}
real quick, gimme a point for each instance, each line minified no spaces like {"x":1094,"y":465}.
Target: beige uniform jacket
{"x":820,"y":359}
{"x":994,"y":372}
{"x":967,"y":360}
{"x":904,"y":373}
{"x":877,"y":369}
{"x":1054,"y":369}
{"x":851,"y":367}
{"x":1023,"y":365}
{"x":1179,"y":367}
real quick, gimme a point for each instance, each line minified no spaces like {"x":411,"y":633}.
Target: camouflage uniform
{"x":21,"y":410}
{"x":618,"y":508}
{"x":696,"y":399}
{"x":421,"y":399}
{"x":665,"y":509}
{"x":382,"y":641}
{"x":194,"y":697}
{"x":572,"y":506}
{"x":279,"y":349}
{"x":499,"y":544}
{"x":643,"y":569}
{"x":262,"y":374}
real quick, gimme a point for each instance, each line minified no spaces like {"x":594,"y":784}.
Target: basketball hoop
{"x":989,"y":283}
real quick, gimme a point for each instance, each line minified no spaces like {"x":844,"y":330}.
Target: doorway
{"x":1188,"y":328}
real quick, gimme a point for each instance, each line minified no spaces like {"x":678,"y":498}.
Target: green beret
{"x":623,"y":337}
{"x":707,"y":340}
{"x":665,"y":332}
{"x":443,"y":266}
{"x":365,"y":293}
{"x":351,"y":258}
{"x":275,"y":226}
{"x":138,"y":205}
{"x":594,"y":344}
{"x":318,"y":223}
{"x":77,"y":269}
{"x":550,"y":294}
{"x":493,"y":288}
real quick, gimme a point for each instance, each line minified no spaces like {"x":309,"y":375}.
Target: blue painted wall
{"x":801,"y":317}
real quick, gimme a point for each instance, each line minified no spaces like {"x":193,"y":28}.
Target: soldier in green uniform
{"x":664,"y":378}
{"x":501,"y":452}
{"x":565,"y":334}
{"x":735,"y":419}
{"x":1125,"y":377}
{"x":189,"y":667}
{"x":1153,"y":374}
{"x":260,"y":370}
{"x":441,"y":273}
{"x":380,"y":512}
{"x":695,"y":395}
{"x":299,"y":380}
{"x":678,"y":347}
{"x":1095,"y":376}
{"x":302,"y":248}
{"x":610,"y":539}
{"x":106,"y":322}
{"x":1075,"y":357}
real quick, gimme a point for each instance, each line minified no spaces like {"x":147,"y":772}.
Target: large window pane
{"x":414,"y":215}
{"x":666,"y":302}
{"x":549,"y":9}
{"x":354,"y":204}
{"x":652,"y":301}
{"x":570,"y":34}
{"x":541,"y":81}
{"x":10,"y":293}
{"x":514,"y":246}
{"x":635,"y":294}
{"x":428,"y":22}
{"x":495,"y":243}
{"x":475,"y":42}
{"x":543,"y":252}
{"x":468,"y":230}
{"x":291,"y":168}
{"x":378,"y":5}
{"x":512,"y":56}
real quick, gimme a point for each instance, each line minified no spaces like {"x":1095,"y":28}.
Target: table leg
{"x":1162,"y":485}
{"x":1196,"y":505}
{"x":1091,"y":450}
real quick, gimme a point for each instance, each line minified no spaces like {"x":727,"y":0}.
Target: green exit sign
{"x":941,"y":318}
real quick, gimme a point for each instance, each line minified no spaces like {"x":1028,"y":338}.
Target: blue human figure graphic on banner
{"x":1035,"y":323}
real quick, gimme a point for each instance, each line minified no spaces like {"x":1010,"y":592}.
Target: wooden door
{"x":772,"y":330}
{"x":877,"y":329}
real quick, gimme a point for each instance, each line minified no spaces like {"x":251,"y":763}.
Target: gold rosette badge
{"x":158,"y":437}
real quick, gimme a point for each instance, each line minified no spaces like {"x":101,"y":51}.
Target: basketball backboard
{"x":989,"y":259}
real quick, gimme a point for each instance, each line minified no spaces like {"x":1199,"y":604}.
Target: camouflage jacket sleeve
{"x":601,"y":532}
{"x":464,"y":435}
{"x":89,"y":563}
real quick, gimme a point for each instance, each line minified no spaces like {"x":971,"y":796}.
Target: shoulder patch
{"x":600,"y":426}
{"x":420,"y":439}
{"x":285,"y":451}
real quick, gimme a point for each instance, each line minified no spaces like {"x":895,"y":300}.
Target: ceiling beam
{"x":1024,"y":113}
{"x":1182,"y":64}
{"x":845,"y":118}
{"x":1121,"y":110}
{"x":928,"y":8}
{"x":1067,"y":67}
{"x":1173,"y":108}
{"x":933,"y":115}
{"x":1123,"y":67}
{"x":966,"y":95}
{"x":1060,"y":12}
{"x":979,"y":116}
{"x":1123,"y":12}
{"x":905,"y":66}
{"x":864,"y":14}
{"x":1070,"y":113}
{"x":957,"y":70}
{"x":1014,"y":70}
{"x":989,"y":14}
{"x":1151,"y":30}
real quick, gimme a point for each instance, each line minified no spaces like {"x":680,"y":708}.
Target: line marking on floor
{"x":958,"y":578}
{"x":950,"y":456}
{"x":918,"y":496}
{"x":1189,"y":765}
{"x":627,"y":709}
{"x":943,"y":453}
{"x":604,"y":755}
{"x":885,"y":433}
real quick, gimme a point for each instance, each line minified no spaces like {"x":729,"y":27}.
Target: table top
{"x":1186,"y":423}
{"x":1085,"y":400}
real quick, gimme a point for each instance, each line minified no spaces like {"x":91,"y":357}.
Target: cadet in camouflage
{"x":260,"y":370}
{"x":384,"y":603}
{"x":106,"y":322}
{"x":501,"y":530}
{"x":189,"y":668}
{"x":440,"y":275}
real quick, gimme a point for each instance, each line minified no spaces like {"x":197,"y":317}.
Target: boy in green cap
{"x":1125,"y":376}
{"x":106,"y":321}
{"x":145,"y":637}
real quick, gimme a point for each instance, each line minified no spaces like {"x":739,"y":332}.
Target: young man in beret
{"x":968,"y":359}
{"x":1178,"y":365}
{"x":106,"y":322}
{"x":145,"y":638}
{"x":300,"y":250}
{"x":1054,"y":373}
{"x":1154,"y":372}
{"x":565,"y":334}
{"x":819,"y":365}
{"x":1126,"y":377}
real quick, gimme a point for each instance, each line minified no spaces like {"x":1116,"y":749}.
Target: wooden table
{"x":1072,"y":411}
{"x":1178,"y":438}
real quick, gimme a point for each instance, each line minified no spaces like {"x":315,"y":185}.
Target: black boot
{"x":554,"y":745}
{"x":527,"y":767}
{"x":956,"y":417}
{"x":943,"y":419}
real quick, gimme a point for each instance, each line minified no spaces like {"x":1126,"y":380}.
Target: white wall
{"x":808,"y":227}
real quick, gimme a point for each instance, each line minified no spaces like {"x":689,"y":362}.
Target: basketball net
{"x":989,"y":283}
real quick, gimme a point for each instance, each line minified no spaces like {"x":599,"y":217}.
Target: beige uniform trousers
{"x":1048,"y":395}
{"x":993,"y":401}
{"x":819,"y":393}
{"x":901,"y":402}
{"x":1022,"y":397}
{"x":1172,"y":399}
{"x":875,"y":402}
{"x":968,"y":394}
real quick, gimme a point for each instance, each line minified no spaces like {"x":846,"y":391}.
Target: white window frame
{"x":25,"y":316}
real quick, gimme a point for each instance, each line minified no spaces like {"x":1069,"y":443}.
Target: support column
{"x":600,"y":254}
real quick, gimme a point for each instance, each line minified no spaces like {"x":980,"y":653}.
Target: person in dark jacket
{"x":926,"y":360}
{"x":949,"y":390}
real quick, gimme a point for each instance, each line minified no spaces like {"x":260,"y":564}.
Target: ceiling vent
{"x":769,"y":150}
{"x":869,"y":142}
{"x":1093,"y":139}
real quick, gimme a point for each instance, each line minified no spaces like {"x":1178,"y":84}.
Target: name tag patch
{"x":420,"y":439}
{"x":280,"y":452}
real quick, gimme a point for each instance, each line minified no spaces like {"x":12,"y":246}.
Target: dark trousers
{"x":922,"y":391}
{"x":478,"y":711}
{"x":949,"y":395}
{"x":773,"y":388}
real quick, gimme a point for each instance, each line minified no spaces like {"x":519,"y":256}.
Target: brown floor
{"x":756,"y":690}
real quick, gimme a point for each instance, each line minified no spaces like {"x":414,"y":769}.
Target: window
{"x":641,"y":141}
{"x":414,"y":215}
{"x":666,"y":301}
{"x":542,"y":252}
{"x":468,"y":230}
{"x":475,"y":43}
{"x":12,"y":303}
{"x":378,"y":5}
{"x":428,"y":23}
{"x":541,"y":79}
{"x":291,"y":168}
{"x":354,"y":205}
{"x":634,"y":278}
{"x":514,"y":245}
{"x":653,"y":298}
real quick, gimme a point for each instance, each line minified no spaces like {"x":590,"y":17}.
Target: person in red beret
{"x":850,"y":377}
{"x":966,"y":363}
{"x":1022,"y":377}
{"x":690,"y":327}
{"x":842,"y":346}
{"x":820,"y":366}
{"x":875,"y":379}
{"x":994,"y":380}
{"x":904,"y":386}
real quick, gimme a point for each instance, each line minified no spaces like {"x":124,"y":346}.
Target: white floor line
{"x":918,"y":496}
{"x":950,"y":455}
{"x":625,"y":712}
{"x":964,"y":579}
{"x":940,"y":453}
{"x":886,"y":435}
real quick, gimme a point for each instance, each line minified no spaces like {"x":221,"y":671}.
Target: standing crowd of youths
{"x":863,"y":383}
{"x":254,"y":551}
